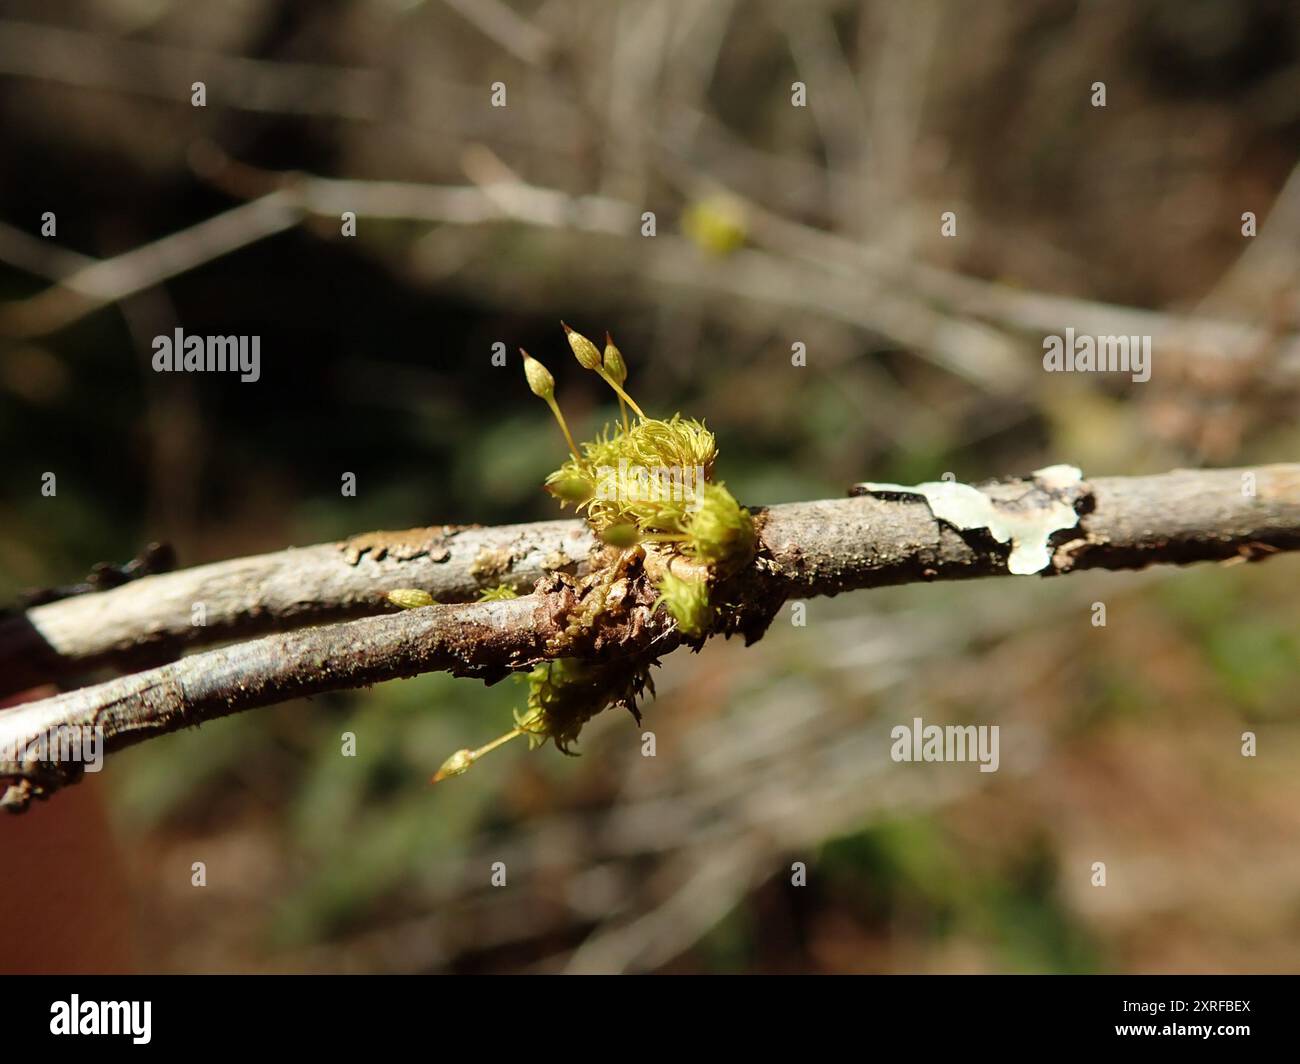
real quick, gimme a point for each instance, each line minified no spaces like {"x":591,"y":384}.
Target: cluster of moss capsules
{"x":641,"y":481}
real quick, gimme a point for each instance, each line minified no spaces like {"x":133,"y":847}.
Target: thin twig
{"x":159,"y":617}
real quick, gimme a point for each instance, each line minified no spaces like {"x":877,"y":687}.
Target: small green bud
{"x":539,"y":377}
{"x":614,"y":364}
{"x":458,"y":763}
{"x":570,"y":486}
{"x":587,"y":353}
{"x":410,"y":598}
{"x":624,"y":534}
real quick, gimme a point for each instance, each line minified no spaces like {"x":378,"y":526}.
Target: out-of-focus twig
{"x":99,"y":61}
{"x":39,"y":257}
{"x":516,"y":34}
{"x":97,"y":285}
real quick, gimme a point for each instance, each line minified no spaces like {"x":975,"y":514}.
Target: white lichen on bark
{"x":1027,"y":524}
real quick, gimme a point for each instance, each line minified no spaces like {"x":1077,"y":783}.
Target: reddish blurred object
{"x":64,"y":905}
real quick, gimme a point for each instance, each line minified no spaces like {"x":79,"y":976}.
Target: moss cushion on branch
{"x":642,"y":484}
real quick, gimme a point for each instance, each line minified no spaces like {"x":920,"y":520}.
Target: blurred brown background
{"x":775,"y":225}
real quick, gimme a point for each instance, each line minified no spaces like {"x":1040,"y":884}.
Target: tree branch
{"x":805,"y":549}
{"x":820,"y":548}
{"x":152,"y":620}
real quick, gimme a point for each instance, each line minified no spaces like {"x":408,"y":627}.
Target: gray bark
{"x":805,"y":549}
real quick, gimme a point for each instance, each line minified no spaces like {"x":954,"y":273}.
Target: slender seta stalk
{"x":542,"y":384}
{"x":461,"y":760}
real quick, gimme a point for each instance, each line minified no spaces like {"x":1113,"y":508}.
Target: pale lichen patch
{"x":1027,"y":523}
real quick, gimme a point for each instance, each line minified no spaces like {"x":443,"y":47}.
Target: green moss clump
{"x":641,"y":481}
{"x":498,"y":593}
